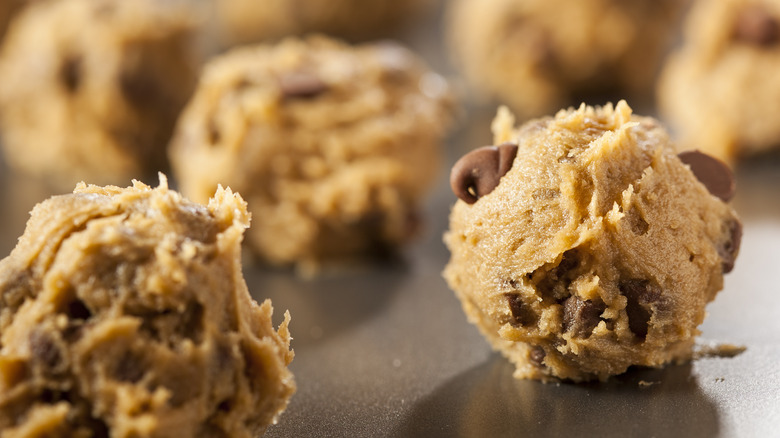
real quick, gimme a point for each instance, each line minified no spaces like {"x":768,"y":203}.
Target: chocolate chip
{"x":477,"y":173}
{"x":640,"y":294}
{"x":77,"y":310}
{"x":729,"y":249}
{"x":713,"y":173}
{"x":301,"y":85}
{"x":521,"y":314}
{"x":756,"y":25}
{"x":536,"y":356}
{"x":554,"y":283}
{"x":43,"y":349}
{"x":129,"y":368}
{"x":580,"y":316}
{"x":70,"y":73}
{"x":139,"y":88}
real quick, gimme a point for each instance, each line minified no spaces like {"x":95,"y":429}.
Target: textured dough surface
{"x":248,"y":21}
{"x":92,"y":88}
{"x":598,"y":250}
{"x":124,"y":313}
{"x":541,"y":55}
{"x":333,"y":146}
{"x":720,"y":93}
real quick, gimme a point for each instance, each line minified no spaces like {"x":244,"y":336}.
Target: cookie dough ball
{"x":246,"y":21}
{"x":92,"y":88}
{"x":333,"y":146}
{"x":541,"y":55}
{"x":597,"y":249}
{"x":124,"y":313}
{"x":720,"y":91}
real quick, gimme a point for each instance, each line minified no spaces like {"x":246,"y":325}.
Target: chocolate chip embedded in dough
{"x":713,"y":173}
{"x":729,"y":249}
{"x":477,"y":173}
{"x":536,"y":356}
{"x":301,"y":85}
{"x":70,"y":73}
{"x":580,"y":316}
{"x":640,"y":294}
{"x":521,"y":314}
{"x":43,"y":349}
{"x":756,"y":25}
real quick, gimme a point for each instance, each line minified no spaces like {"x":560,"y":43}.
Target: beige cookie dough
{"x":333,"y":146}
{"x":541,"y":55}
{"x":720,"y":91}
{"x":92,"y":88}
{"x":248,"y":21}
{"x":124,"y":313}
{"x":597,"y":250}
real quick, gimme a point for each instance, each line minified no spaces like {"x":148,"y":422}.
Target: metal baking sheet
{"x":384,"y":349}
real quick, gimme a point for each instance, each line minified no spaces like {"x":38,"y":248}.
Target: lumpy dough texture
{"x":333,"y":146}
{"x":124,"y":313}
{"x":720,"y":90}
{"x":247,"y":21}
{"x":541,"y":55}
{"x":92,"y":88}
{"x":597,"y":250}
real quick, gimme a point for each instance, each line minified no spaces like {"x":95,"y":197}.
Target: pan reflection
{"x":488,"y":401}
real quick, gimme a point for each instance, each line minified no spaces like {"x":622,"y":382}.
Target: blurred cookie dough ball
{"x":333,"y":146}
{"x":583,"y":244}
{"x":720,"y":91}
{"x":246,"y":21}
{"x":92,"y":88}
{"x":124,"y":313}
{"x":541,"y":55}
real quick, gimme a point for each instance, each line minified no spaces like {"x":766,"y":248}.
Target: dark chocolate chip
{"x":139,"y":88}
{"x":756,"y":25}
{"x":536,"y":356}
{"x":580,"y":316}
{"x":129,"y":368}
{"x":70,"y":73}
{"x":477,"y":173}
{"x":640,"y":294}
{"x":43,"y":349}
{"x":730,"y":248}
{"x":301,"y":85}
{"x":554,"y":283}
{"x":713,"y":173}
{"x":77,"y":310}
{"x":521,"y":314}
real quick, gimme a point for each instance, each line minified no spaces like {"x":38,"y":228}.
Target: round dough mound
{"x":124,"y":312}
{"x":541,"y":55}
{"x":720,"y":91}
{"x":92,"y":88}
{"x":333,"y":146}
{"x":598,"y":250}
{"x":247,"y":21}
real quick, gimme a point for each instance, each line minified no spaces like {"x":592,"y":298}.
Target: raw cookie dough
{"x":92,"y":88}
{"x":124,"y":313}
{"x":541,"y":55}
{"x":598,"y":249}
{"x":247,"y":21}
{"x":720,"y":91}
{"x":333,"y":146}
